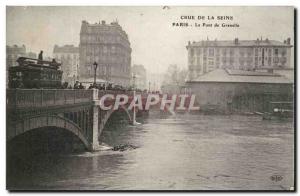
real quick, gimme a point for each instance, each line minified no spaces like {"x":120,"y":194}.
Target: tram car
{"x":34,"y":73}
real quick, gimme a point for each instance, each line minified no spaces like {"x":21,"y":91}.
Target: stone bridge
{"x":77,"y":111}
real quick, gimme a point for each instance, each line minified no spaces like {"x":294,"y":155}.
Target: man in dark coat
{"x":40,"y":57}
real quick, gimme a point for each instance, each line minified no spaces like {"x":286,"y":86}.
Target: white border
{"x":3,"y":5}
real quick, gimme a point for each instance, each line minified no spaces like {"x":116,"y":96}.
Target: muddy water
{"x":178,"y":152}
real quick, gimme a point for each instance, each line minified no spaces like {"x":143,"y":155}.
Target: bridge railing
{"x":24,"y":98}
{"x":115,"y":93}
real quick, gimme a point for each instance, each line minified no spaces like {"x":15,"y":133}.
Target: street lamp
{"x":77,"y":73}
{"x":95,"y":68}
{"x":149,"y":87}
{"x":134,"y":99}
{"x":133,"y":77}
{"x":106,"y":77}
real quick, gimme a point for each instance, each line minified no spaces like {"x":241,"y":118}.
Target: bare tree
{"x":175,"y":76}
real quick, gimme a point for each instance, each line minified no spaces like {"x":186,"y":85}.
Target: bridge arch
{"x":109,"y":113}
{"x":28,"y":124}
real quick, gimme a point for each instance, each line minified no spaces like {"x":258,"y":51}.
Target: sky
{"x":154,"y":41}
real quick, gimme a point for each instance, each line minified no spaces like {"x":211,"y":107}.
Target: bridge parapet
{"x":25,"y":98}
{"x":113,"y":92}
{"x":75,"y":110}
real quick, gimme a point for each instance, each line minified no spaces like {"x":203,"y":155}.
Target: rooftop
{"x":66,"y":49}
{"x":240,"y":76}
{"x":241,"y":43}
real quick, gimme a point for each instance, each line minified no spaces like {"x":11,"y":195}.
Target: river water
{"x":182,"y":152}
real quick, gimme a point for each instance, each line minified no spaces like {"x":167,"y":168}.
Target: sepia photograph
{"x":150,"y":98}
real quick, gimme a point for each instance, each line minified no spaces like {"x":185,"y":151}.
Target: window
{"x":192,"y":52}
{"x":217,"y":64}
{"x":275,"y":59}
{"x":269,"y":52}
{"x":276,"y":51}
{"x":198,"y":60}
{"x":199,"y":51}
{"x":231,"y":51}
{"x":211,"y":52}
{"x":283,"y":60}
{"x":242,"y":52}
{"x":269,"y":61}
{"x":224,"y":60}
{"x":249,"y":51}
{"x":224,"y":52}
{"x":256,"y":52}
{"x":204,"y":60}
{"x":192,"y":61}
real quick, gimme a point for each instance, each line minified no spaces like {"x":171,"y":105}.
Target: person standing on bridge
{"x":76,"y":85}
{"x":40,"y":57}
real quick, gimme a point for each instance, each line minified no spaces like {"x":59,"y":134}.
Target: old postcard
{"x":150,"y":98}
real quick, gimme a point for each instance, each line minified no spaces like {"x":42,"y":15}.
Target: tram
{"x":34,"y":73}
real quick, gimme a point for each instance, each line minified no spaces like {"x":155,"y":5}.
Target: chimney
{"x":288,"y":41}
{"x":236,"y":41}
{"x":267,"y":40}
{"x":189,"y":43}
{"x":103,"y":22}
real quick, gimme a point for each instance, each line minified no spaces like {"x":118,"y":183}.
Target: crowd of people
{"x":79,"y":85}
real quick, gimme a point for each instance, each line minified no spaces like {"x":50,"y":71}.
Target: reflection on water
{"x":179,"y":152}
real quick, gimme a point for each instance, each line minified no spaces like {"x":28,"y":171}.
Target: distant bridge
{"x":77,"y":111}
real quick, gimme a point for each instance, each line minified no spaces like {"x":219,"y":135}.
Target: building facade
{"x":108,"y":46}
{"x":140,"y":74}
{"x":13,"y":53}
{"x":224,"y":90}
{"x":205,"y":56}
{"x":68,"y":55}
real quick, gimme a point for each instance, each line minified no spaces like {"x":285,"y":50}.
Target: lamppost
{"x":149,"y":87}
{"x":77,"y":72}
{"x":74,"y":78}
{"x":95,"y":68}
{"x":134,"y":99}
{"x":134,"y":115}
{"x":106,"y":77}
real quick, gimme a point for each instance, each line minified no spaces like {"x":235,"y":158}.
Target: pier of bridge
{"x":77,"y":111}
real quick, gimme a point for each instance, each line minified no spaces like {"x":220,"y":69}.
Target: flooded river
{"x":193,"y":152}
